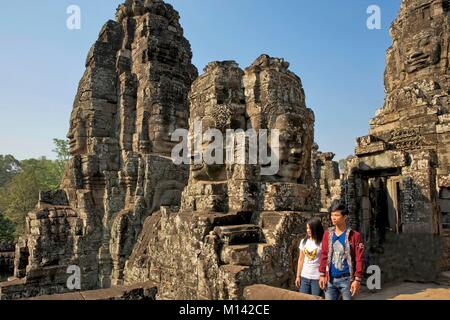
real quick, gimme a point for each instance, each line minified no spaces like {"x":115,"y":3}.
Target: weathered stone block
{"x":386,"y":160}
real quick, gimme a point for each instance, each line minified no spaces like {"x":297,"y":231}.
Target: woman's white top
{"x":311,"y":262}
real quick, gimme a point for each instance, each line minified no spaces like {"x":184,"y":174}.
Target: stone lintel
{"x":372,"y":148}
{"x":386,"y":160}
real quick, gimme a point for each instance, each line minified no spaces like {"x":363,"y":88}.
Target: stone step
{"x":260,"y":292}
{"x":139,"y":291}
{"x":239,"y":234}
{"x":243,"y":254}
{"x":227,"y":219}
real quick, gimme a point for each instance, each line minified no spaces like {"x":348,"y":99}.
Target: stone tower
{"x":133,"y":94}
{"x":397,"y":186}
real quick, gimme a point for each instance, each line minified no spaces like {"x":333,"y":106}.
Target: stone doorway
{"x":381,"y":206}
{"x":444,"y":204}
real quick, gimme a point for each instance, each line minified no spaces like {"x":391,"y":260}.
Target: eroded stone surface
{"x":326,"y":177}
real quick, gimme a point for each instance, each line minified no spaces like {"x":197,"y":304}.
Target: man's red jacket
{"x":354,"y":244}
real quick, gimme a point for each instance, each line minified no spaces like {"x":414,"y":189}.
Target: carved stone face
{"x":160,"y":130}
{"x":77,"y":135}
{"x":232,"y":119}
{"x":165,"y":118}
{"x":217,"y":101}
{"x":204,"y":171}
{"x":425,"y":51}
{"x":291,"y":150}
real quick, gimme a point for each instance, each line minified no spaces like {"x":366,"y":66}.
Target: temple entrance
{"x":444,"y":204}
{"x":381,"y":209}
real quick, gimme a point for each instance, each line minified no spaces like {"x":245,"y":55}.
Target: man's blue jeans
{"x":309,"y":286}
{"x":338,"y":287}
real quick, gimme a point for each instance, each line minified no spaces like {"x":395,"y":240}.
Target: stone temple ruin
{"x":397,"y":186}
{"x":126,"y":214}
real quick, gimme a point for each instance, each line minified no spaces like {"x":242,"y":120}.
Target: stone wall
{"x":415,"y":248}
{"x":408,"y":257}
{"x":6,"y":260}
{"x":267,"y":293}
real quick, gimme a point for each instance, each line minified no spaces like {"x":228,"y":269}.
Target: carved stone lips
{"x":72,"y":143}
{"x":418,"y":58}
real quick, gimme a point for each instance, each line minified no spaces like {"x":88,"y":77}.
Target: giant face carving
{"x":291,"y":146}
{"x":425,"y":51}
{"x":219,"y":118}
{"x":77,"y":135}
{"x":217,"y":101}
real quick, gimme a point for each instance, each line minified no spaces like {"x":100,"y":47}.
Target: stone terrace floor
{"x":408,"y":291}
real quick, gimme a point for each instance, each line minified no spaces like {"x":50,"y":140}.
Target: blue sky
{"x":340,"y":61}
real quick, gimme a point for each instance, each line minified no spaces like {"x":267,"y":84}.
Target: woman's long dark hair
{"x":317,"y":231}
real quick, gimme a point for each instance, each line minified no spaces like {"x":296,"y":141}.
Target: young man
{"x":342,"y":259}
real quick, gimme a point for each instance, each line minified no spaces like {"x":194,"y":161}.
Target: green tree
{"x":63,"y":153}
{"x":21,"y":193}
{"x":7,"y":229}
{"x":9,"y":167}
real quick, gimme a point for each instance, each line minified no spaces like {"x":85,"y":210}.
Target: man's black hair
{"x":338,"y":205}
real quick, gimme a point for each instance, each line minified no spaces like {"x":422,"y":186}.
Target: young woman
{"x":308,"y":275}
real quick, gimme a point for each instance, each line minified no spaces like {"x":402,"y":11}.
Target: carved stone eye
{"x":424,"y":42}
